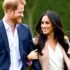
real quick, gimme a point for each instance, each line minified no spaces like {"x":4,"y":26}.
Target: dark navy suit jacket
{"x":25,"y":46}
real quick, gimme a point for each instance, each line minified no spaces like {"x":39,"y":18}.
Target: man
{"x":15,"y":38}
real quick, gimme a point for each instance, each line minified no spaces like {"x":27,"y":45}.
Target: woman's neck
{"x":51,"y":40}
{"x":50,"y":36}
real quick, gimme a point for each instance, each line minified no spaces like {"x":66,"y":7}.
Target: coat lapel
{"x":4,"y":36}
{"x":20,"y":40}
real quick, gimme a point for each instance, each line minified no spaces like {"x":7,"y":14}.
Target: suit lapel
{"x":21,"y":32}
{"x":20,"y":40}
{"x":4,"y":36}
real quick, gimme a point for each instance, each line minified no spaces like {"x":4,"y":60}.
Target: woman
{"x":52,"y":47}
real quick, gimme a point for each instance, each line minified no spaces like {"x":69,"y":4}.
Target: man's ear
{"x":10,"y":12}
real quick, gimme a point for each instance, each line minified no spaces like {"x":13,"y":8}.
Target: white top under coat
{"x":55,"y":58}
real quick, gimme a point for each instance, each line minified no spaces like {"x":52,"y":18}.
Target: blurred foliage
{"x":35,"y":8}
{"x":1,"y":9}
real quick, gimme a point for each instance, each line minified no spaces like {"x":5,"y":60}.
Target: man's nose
{"x":22,"y":15}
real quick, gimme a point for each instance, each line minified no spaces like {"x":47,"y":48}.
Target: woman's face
{"x":46,"y":25}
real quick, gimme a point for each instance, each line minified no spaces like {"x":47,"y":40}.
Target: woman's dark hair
{"x":58,"y":32}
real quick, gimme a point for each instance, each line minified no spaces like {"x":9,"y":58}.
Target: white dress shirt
{"x":13,"y":40}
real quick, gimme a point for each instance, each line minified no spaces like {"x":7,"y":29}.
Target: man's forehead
{"x":20,"y":6}
{"x":22,"y":1}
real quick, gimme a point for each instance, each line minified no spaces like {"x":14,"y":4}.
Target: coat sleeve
{"x":31,"y":47}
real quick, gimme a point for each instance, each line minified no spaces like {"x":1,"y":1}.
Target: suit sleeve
{"x":35,"y":64}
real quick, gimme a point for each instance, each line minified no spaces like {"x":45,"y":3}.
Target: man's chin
{"x":19,"y":22}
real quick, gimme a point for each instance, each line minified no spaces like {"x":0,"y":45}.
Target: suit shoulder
{"x":25,"y":26}
{"x":1,"y":21}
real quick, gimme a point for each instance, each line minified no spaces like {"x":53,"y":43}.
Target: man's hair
{"x":10,"y":4}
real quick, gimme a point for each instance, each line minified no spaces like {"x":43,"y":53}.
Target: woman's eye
{"x":46,"y":22}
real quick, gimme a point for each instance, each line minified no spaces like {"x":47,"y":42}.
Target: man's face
{"x":18,"y":14}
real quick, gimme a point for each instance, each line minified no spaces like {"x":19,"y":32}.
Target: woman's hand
{"x":33,"y":55}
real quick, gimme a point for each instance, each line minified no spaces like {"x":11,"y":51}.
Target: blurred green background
{"x":35,"y":8}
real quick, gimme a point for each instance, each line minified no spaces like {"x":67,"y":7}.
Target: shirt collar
{"x":7,"y":26}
